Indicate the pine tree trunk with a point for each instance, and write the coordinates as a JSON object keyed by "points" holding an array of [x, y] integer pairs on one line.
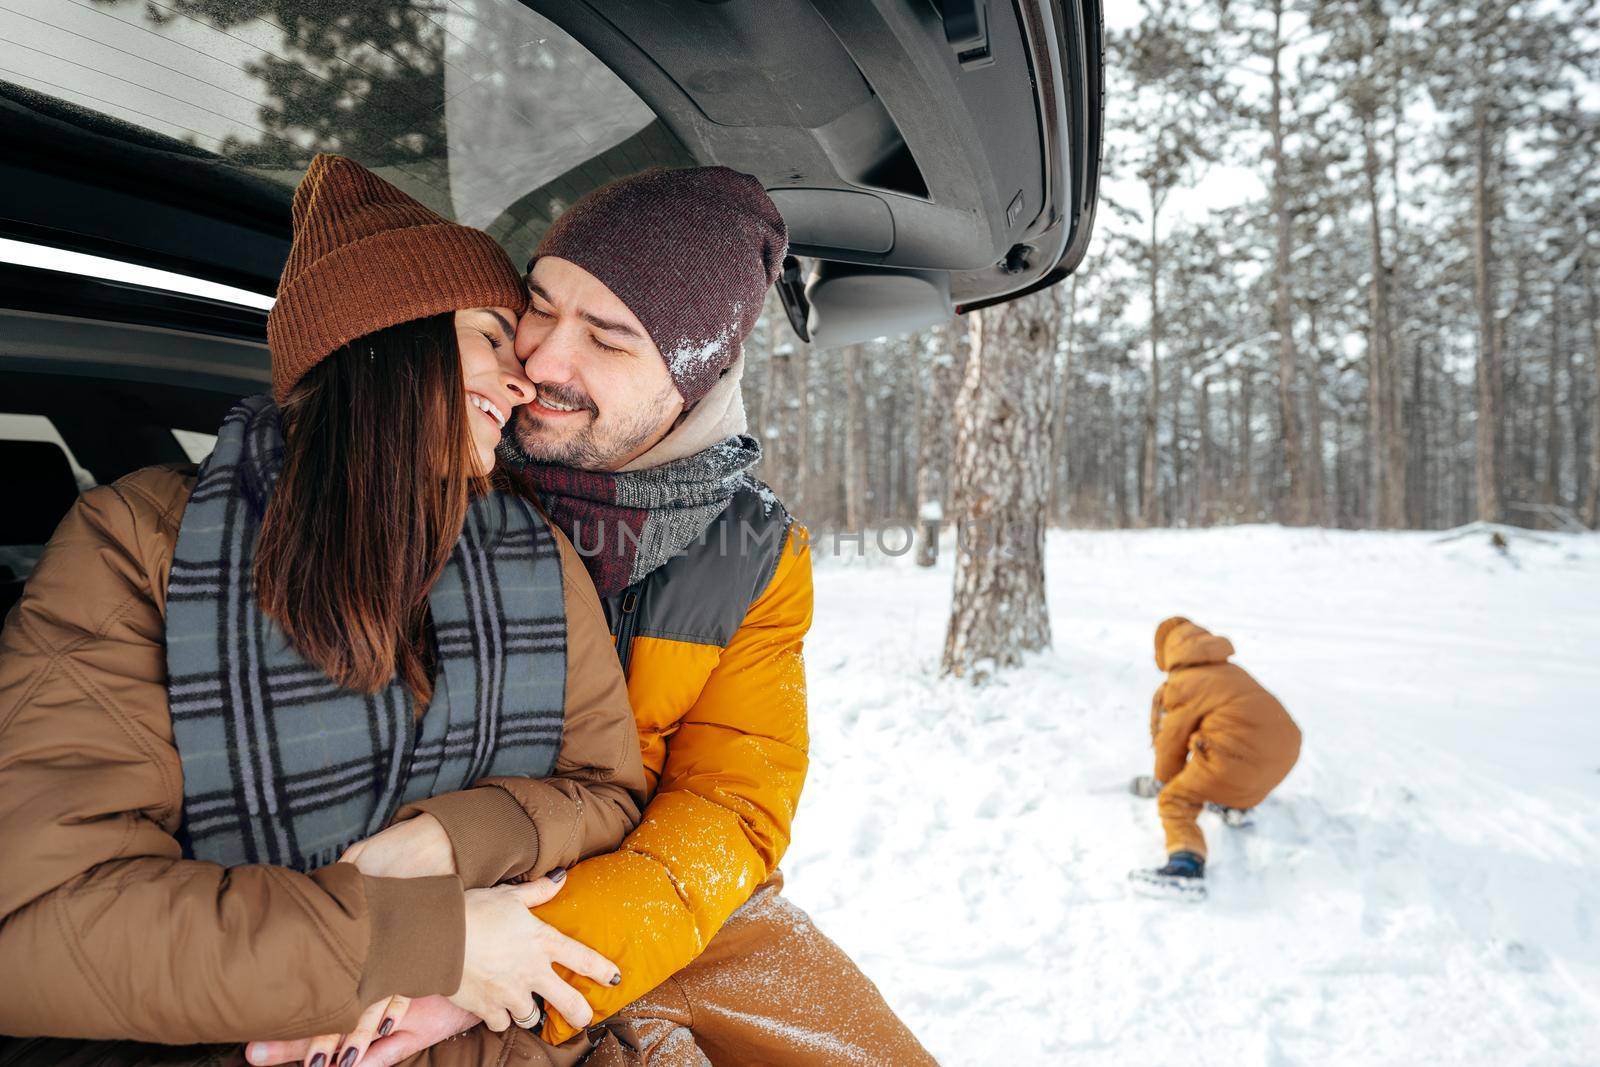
{"points": [[1120, 466], [800, 482], [1150, 466], [1462, 504], [831, 475], [855, 442], [1592, 505], [1341, 488], [998, 611], [1576, 424], [1245, 480], [1060, 458], [1412, 421], [1551, 489], [1316, 428], [1297, 512], [1227, 468], [885, 495], [776, 427], [935, 400], [1205, 483], [1388, 491], [1489, 383], [1176, 499], [1419, 508]]}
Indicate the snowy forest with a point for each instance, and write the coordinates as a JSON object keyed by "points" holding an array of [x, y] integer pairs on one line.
{"points": [[1346, 272], [1327, 384]]}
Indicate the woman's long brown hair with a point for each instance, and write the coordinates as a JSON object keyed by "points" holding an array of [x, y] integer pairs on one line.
{"points": [[377, 475]]}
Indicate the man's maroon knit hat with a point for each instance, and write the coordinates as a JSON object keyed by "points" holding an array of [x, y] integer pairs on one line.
{"points": [[691, 252]]}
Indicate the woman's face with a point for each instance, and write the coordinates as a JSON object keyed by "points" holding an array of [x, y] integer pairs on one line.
{"points": [[495, 383]]}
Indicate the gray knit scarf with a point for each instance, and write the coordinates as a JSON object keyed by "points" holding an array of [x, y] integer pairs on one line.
{"points": [[280, 765], [625, 524]]}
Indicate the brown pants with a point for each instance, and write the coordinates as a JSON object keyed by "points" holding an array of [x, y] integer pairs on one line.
{"points": [[769, 990], [1217, 777]]}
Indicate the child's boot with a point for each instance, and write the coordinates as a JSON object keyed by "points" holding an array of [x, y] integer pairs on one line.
{"points": [[1183, 878]]}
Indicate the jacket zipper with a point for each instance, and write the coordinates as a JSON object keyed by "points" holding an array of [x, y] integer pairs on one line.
{"points": [[627, 625]]}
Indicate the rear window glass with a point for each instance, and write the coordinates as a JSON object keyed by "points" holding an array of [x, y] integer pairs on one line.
{"points": [[486, 111]]}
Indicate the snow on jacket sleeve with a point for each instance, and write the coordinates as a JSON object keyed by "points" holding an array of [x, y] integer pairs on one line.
{"points": [[106, 931], [730, 780]]}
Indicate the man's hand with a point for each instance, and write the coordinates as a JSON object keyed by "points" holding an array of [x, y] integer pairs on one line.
{"points": [[335, 1050], [426, 1022], [416, 848], [430, 1021]]}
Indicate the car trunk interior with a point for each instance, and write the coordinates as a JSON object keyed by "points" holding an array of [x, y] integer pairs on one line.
{"points": [[931, 139], [928, 157]]}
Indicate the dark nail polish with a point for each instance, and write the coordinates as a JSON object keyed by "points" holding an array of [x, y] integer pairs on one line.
{"points": [[388, 1024], [558, 875], [349, 1057], [318, 1060], [616, 979]]}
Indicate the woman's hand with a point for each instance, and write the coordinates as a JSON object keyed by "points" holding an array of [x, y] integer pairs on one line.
{"points": [[416, 848], [510, 954], [334, 1050]]}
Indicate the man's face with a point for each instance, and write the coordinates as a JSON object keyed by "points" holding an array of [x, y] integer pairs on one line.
{"points": [[603, 394]]}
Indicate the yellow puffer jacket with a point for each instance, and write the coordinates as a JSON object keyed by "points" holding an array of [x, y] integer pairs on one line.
{"points": [[712, 644]]}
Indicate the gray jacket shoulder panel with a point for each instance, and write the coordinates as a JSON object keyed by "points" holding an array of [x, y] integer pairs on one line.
{"points": [[702, 594]]}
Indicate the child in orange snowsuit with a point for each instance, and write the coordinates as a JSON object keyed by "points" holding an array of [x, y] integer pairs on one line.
{"points": [[1219, 737]]}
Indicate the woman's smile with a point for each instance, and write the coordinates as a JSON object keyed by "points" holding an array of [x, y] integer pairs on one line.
{"points": [[489, 408]]}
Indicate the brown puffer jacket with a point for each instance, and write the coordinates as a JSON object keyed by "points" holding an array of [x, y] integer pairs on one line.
{"points": [[107, 932], [1209, 703]]}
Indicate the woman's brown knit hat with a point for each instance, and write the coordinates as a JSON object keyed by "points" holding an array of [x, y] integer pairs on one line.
{"points": [[367, 256]]}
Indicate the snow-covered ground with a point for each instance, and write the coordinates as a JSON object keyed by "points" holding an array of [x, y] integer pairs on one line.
{"points": [[1425, 887]]}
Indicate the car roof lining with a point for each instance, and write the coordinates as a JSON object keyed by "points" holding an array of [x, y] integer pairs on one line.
{"points": [[95, 183]]}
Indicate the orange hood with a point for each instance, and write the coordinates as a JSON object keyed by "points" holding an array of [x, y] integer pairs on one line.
{"points": [[1181, 643]]}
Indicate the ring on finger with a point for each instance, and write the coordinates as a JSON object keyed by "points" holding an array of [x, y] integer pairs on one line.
{"points": [[531, 1021]]}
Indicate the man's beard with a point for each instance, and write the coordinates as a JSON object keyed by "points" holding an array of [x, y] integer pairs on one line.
{"points": [[589, 449]]}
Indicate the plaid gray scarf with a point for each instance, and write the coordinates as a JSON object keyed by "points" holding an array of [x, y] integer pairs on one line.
{"points": [[280, 765], [625, 524]]}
